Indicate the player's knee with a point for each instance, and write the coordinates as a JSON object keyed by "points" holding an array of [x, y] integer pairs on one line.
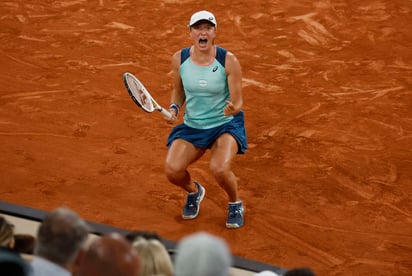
{"points": [[172, 170], [219, 169], [169, 171]]}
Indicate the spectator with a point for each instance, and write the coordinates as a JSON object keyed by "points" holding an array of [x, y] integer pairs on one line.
{"points": [[202, 254], [11, 263], [21, 243], [154, 258], [132, 236], [299, 271], [266, 273], [6, 233], [60, 240], [110, 255]]}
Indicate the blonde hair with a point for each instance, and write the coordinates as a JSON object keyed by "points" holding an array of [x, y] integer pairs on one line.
{"points": [[6, 233], [154, 258]]}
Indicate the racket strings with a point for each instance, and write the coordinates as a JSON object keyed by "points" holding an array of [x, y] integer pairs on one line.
{"points": [[140, 94]]}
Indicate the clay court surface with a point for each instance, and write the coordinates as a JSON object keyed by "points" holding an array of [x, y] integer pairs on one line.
{"points": [[327, 180]]}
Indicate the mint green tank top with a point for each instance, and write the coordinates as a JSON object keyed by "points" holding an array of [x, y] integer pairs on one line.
{"points": [[206, 89]]}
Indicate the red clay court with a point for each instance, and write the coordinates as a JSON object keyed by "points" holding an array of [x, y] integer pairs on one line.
{"points": [[328, 103]]}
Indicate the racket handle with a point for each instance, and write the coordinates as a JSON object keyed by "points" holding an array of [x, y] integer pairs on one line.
{"points": [[165, 112]]}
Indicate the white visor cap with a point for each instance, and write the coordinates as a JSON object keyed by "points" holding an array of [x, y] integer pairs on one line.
{"points": [[202, 15]]}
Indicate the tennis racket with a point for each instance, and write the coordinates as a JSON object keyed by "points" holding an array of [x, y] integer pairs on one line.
{"points": [[141, 96]]}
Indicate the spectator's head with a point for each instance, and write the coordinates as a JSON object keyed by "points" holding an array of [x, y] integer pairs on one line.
{"points": [[110, 255], [202, 254], [136, 234], [61, 236], [6, 233], [154, 258], [266, 273], [299, 271]]}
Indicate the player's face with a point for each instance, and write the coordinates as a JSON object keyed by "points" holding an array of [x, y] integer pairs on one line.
{"points": [[203, 34]]}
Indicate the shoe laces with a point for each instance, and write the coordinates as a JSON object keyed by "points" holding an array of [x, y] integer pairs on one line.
{"points": [[235, 210]]}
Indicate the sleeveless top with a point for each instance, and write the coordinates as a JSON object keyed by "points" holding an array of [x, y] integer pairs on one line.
{"points": [[206, 90]]}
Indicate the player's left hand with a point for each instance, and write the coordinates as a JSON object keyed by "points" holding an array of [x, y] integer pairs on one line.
{"points": [[229, 109]]}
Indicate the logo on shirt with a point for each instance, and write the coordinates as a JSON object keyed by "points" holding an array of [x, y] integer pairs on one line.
{"points": [[202, 83], [215, 69]]}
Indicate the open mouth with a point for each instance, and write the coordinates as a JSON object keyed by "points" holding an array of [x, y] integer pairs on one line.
{"points": [[203, 41]]}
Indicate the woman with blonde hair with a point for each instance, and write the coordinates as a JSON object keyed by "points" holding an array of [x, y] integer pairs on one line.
{"points": [[154, 258], [11, 262], [6, 233]]}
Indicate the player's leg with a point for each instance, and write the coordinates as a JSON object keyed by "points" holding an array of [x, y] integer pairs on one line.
{"points": [[223, 152], [179, 156]]}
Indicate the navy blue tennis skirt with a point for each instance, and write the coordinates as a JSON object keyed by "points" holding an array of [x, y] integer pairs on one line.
{"points": [[204, 138]]}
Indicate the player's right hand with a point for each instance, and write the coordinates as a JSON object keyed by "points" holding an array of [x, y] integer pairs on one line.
{"points": [[173, 119]]}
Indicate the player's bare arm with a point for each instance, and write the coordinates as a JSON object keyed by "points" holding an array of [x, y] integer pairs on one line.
{"points": [[178, 95], [234, 76]]}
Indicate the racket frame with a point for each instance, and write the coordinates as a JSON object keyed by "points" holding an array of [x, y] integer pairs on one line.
{"points": [[154, 104]]}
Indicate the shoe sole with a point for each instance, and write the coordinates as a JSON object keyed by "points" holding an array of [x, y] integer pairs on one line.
{"points": [[233, 226], [198, 208]]}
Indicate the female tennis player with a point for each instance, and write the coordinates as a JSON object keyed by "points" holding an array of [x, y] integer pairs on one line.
{"points": [[208, 81]]}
